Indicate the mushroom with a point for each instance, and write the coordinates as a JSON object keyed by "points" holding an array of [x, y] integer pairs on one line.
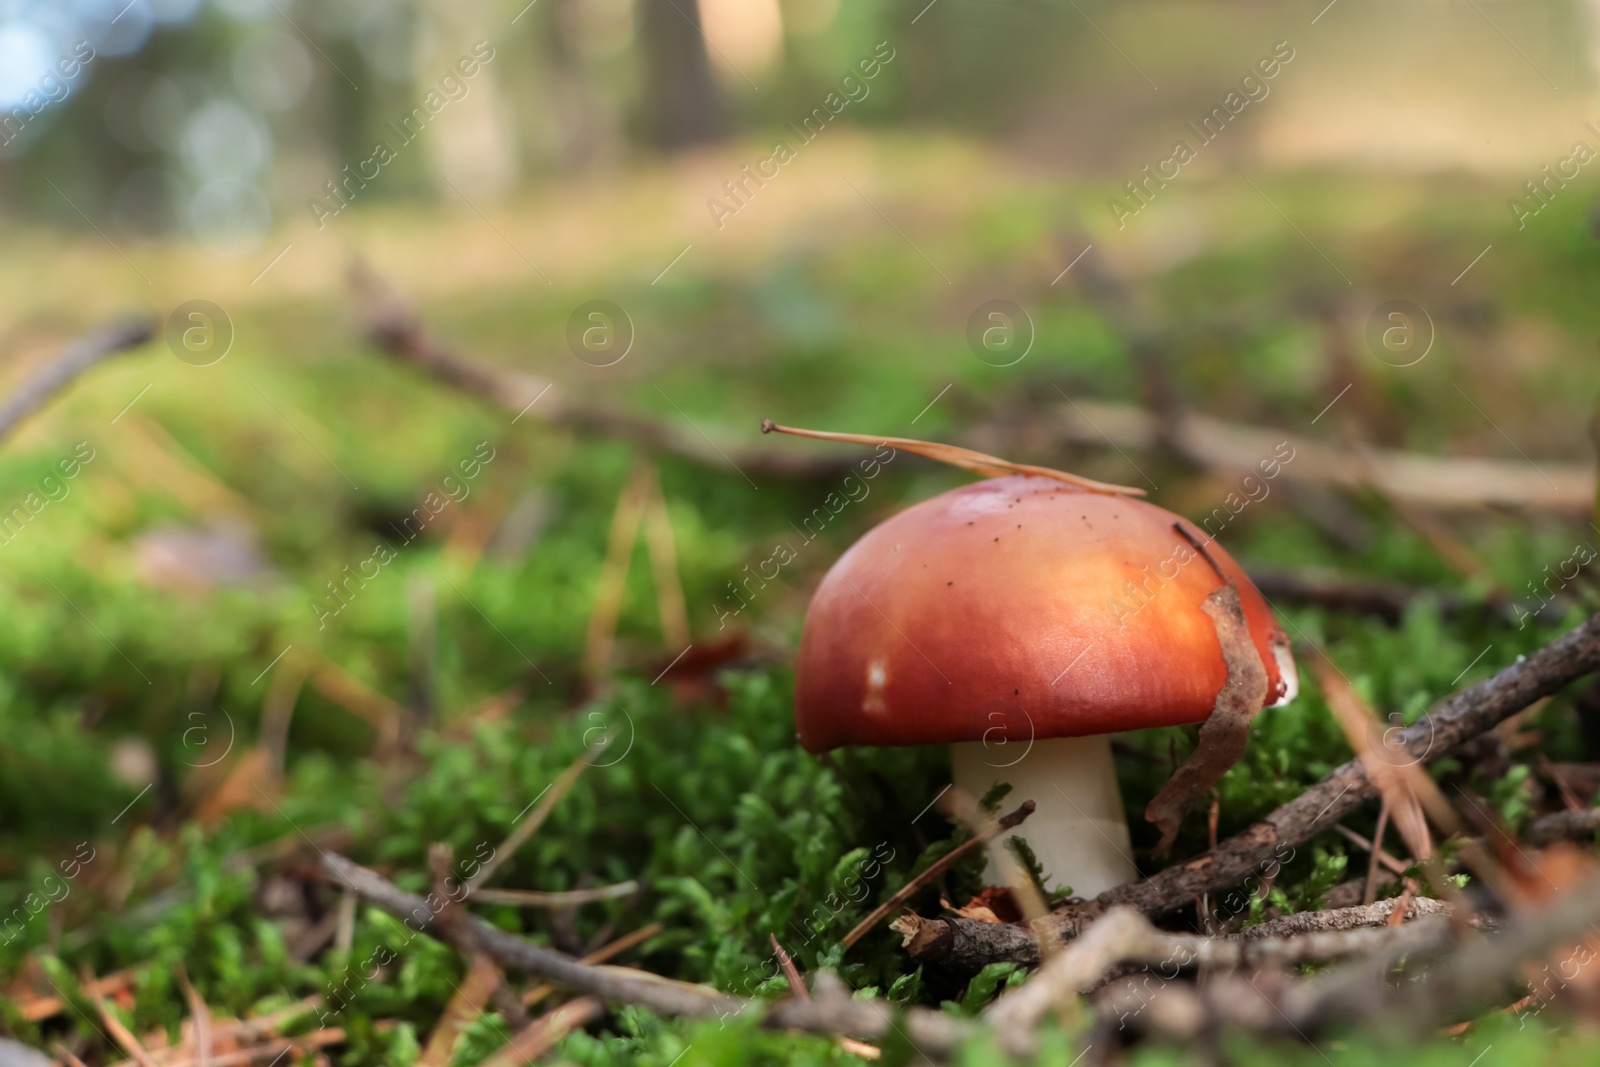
{"points": [[1022, 620]]}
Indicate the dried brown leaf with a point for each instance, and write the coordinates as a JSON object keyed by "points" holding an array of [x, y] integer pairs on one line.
{"points": [[1225, 733]]}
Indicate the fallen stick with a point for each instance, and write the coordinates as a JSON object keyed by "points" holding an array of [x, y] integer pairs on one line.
{"points": [[1458, 718], [530, 824], [41, 1008], [124, 1038], [1267, 845], [394, 329], [545, 1032], [1477, 977], [938, 867], [1436, 481], [72, 361], [564, 898], [797, 987], [599, 955], [831, 1012], [270, 1052], [1377, 856], [516, 953], [1389, 601], [966, 945], [1565, 826], [1462, 977]]}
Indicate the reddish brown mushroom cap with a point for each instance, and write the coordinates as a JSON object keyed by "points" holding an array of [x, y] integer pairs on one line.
{"points": [[1019, 607]]}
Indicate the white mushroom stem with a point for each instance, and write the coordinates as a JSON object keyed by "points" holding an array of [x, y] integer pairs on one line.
{"points": [[1078, 832]]}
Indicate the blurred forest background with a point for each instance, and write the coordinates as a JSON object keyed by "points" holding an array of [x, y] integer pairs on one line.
{"points": [[360, 198]]}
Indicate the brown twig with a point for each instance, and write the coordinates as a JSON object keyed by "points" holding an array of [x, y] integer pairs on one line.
{"points": [[123, 1036], [1565, 826], [484, 981], [1476, 976], [1025, 889], [1435, 481], [1125, 936], [797, 987], [936, 868], [67, 1056], [393, 327], [41, 1008], [565, 898], [1377, 856], [271, 1051], [825, 1014], [470, 999], [535, 818], [545, 1032], [599, 955], [202, 1019], [1456, 719], [514, 953], [72, 361], [791, 973], [1268, 844], [1378, 913], [965, 945]]}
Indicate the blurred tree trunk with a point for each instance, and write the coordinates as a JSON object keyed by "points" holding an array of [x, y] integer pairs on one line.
{"points": [[588, 130], [683, 108], [474, 152]]}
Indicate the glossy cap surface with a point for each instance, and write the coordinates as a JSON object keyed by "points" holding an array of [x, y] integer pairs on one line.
{"points": [[1020, 607]]}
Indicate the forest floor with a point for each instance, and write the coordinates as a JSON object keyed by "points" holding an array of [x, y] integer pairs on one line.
{"points": [[199, 703]]}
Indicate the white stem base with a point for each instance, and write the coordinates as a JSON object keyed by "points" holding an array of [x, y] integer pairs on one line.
{"points": [[1079, 831]]}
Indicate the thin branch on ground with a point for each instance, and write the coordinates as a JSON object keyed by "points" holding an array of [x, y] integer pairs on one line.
{"points": [[394, 328], [545, 1032], [1434, 481], [1458, 718], [535, 818], [936, 868], [831, 1013], [563, 898], [599, 955], [73, 360], [966, 945], [1565, 826]]}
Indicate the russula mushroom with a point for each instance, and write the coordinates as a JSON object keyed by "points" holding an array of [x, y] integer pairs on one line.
{"points": [[1022, 620]]}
